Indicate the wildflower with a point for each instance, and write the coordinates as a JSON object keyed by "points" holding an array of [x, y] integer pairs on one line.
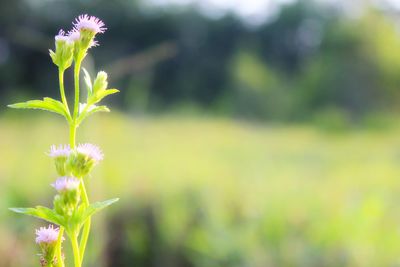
{"points": [[93, 152], [74, 35], [63, 55], [59, 151], [90, 23], [61, 37], [65, 184], [84, 158], [47, 239], [46, 236], [68, 195], [60, 154]]}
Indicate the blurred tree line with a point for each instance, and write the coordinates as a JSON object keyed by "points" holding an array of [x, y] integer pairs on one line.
{"points": [[309, 61]]}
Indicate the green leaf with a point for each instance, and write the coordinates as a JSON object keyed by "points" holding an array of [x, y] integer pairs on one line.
{"points": [[91, 110], [42, 213], [88, 82], [96, 207], [98, 96], [48, 104]]}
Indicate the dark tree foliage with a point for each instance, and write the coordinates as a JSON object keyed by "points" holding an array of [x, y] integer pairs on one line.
{"points": [[313, 58]]}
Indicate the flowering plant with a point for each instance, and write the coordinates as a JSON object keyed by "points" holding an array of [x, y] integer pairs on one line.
{"points": [[71, 210]]}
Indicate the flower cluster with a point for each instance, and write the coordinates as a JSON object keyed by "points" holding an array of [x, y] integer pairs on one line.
{"points": [[76, 162], [77, 41]]}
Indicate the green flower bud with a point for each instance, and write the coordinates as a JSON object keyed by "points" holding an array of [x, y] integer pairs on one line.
{"points": [[63, 56], [83, 159], [60, 155], [100, 83], [68, 195]]}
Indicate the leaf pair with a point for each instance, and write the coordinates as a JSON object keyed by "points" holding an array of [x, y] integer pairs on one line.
{"points": [[53, 217], [96, 92]]}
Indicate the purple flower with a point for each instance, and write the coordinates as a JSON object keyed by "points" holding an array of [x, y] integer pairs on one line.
{"points": [[47, 235], [64, 184], [62, 37], [74, 35], [90, 151], [90, 23], [59, 151]]}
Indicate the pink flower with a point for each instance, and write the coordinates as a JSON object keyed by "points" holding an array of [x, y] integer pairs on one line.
{"points": [[90, 23], [61, 36], [47, 235], [64, 184], [59, 151], [74, 35], [90, 151]]}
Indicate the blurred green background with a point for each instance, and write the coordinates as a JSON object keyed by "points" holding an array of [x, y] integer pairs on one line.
{"points": [[248, 133]]}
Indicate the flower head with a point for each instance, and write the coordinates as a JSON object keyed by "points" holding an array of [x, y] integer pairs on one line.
{"points": [[91, 151], [84, 158], [59, 151], [74, 35], [47, 236], [91, 23], [64, 184], [62, 37], [60, 155]]}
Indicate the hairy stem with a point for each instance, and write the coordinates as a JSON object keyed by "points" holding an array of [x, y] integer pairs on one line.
{"points": [[86, 227]]}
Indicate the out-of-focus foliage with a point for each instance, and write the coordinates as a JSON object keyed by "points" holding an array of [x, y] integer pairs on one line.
{"points": [[310, 59], [212, 192]]}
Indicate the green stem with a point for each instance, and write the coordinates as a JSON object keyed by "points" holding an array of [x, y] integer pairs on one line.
{"points": [[72, 126], [72, 134], [60, 261], [86, 227], [62, 91], [75, 250], [77, 69]]}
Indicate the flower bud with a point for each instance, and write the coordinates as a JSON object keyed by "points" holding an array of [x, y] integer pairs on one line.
{"points": [[68, 195], [47, 239], [63, 55], [60, 155], [100, 83], [84, 158]]}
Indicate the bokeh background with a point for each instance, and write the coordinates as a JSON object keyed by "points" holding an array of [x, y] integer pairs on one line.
{"points": [[248, 133]]}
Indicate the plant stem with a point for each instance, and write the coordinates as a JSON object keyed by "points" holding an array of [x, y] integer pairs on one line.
{"points": [[72, 126], [60, 261], [75, 250], [77, 69], [86, 227], [62, 91], [72, 134]]}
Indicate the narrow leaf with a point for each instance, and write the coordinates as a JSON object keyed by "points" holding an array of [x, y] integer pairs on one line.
{"points": [[88, 82], [96, 207], [42, 213]]}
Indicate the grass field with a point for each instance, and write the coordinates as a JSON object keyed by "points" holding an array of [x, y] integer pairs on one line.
{"points": [[224, 193]]}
